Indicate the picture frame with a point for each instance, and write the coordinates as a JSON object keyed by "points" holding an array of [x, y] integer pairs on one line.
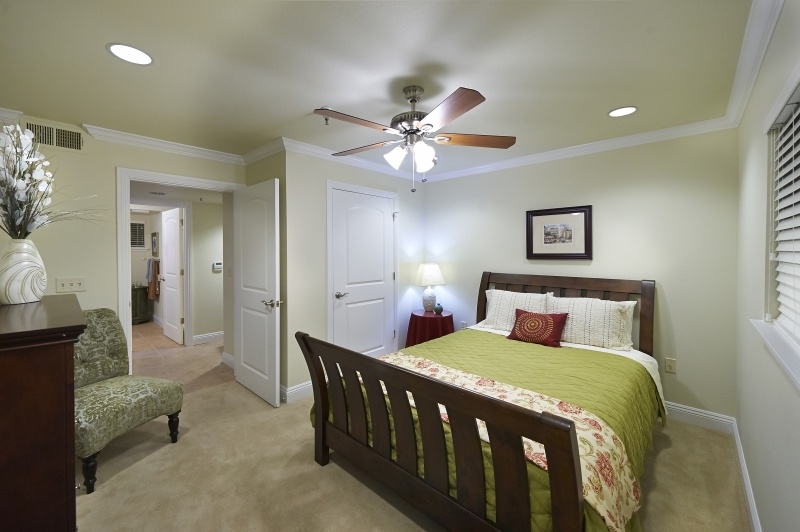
{"points": [[154, 243], [562, 233]]}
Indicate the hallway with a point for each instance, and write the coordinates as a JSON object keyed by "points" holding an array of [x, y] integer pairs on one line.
{"points": [[196, 367]]}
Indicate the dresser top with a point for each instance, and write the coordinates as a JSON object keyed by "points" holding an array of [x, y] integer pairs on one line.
{"points": [[57, 315]]}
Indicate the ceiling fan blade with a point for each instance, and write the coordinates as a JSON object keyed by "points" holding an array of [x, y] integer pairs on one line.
{"points": [[478, 141], [455, 105], [368, 147], [355, 120]]}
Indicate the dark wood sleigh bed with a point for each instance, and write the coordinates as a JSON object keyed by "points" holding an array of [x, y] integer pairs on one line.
{"points": [[353, 417]]}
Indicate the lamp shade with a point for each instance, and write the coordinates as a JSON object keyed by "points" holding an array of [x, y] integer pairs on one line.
{"points": [[429, 274]]}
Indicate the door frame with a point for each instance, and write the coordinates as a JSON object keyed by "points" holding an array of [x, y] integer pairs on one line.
{"points": [[347, 187], [124, 178]]}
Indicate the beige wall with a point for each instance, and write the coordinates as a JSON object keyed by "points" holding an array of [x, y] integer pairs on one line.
{"points": [[89, 249], [664, 211], [769, 404], [207, 285]]}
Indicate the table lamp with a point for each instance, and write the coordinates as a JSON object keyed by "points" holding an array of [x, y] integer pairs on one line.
{"points": [[429, 275]]}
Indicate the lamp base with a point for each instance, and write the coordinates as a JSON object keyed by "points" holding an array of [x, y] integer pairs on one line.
{"points": [[428, 299]]}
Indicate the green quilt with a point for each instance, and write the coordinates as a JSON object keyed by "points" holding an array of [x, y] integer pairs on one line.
{"points": [[618, 390]]}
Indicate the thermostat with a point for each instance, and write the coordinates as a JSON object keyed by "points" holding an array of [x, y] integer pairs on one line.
{"points": [[217, 266]]}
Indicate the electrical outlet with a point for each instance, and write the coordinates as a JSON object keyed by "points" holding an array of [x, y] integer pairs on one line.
{"points": [[70, 284], [463, 324], [671, 365]]}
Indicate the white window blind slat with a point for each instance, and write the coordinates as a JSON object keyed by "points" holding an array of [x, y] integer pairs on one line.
{"points": [[786, 232]]}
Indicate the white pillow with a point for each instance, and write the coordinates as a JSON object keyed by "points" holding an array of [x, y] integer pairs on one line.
{"points": [[595, 322], [501, 307]]}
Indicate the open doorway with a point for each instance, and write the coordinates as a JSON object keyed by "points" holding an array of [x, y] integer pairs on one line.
{"points": [[158, 264], [140, 188]]}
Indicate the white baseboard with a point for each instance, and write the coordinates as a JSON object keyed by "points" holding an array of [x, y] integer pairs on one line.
{"points": [[726, 424], [296, 392], [209, 337], [158, 321], [227, 359]]}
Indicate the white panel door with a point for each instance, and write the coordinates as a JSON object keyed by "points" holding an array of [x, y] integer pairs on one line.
{"points": [[362, 262], [256, 297], [171, 265]]}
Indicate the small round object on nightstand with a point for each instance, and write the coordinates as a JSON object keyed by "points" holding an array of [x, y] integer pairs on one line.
{"points": [[438, 308]]}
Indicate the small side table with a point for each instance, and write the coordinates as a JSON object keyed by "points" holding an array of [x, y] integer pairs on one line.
{"points": [[424, 326]]}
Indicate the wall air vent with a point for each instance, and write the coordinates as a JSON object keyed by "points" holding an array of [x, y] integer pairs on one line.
{"points": [[50, 136], [42, 134], [69, 139]]}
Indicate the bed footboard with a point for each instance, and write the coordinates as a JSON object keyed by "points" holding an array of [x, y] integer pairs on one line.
{"points": [[351, 416]]}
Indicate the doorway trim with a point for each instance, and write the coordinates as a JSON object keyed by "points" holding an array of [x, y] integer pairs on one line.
{"points": [[124, 178]]}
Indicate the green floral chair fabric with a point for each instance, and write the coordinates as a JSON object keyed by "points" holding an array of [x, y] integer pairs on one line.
{"points": [[108, 401]]}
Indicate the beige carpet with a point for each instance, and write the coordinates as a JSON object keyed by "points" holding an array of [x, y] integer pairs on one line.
{"points": [[242, 465]]}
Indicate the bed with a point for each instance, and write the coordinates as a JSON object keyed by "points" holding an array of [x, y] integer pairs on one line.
{"points": [[474, 471]]}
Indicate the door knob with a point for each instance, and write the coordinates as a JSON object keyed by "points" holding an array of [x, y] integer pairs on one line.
{"points": [[340, 295], [272, 303]]}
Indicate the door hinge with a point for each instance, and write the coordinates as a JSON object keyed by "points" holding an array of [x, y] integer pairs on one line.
{"points": [[181, 271], [181, 321], [394, 278], [394, 334], [395, 215], [181, 222]]}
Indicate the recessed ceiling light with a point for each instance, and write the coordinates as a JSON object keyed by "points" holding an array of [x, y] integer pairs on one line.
{"points": [[130, 54], [622, 111]]}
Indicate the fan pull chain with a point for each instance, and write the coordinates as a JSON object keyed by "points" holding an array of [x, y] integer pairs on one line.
{"points": [[413, 176]]}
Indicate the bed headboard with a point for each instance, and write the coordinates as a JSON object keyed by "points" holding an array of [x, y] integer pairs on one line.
{"points": [[609, 289]]}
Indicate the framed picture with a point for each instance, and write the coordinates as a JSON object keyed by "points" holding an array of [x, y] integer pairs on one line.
{"points": [[154, 243], [564, 233]]}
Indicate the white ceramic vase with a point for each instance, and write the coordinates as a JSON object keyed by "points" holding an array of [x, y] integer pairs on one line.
{"points": [[22, 275]]}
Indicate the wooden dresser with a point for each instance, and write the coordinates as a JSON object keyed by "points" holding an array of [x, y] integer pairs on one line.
{"points": [[37, 457]]}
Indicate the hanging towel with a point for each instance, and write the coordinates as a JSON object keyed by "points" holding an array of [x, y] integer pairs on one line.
{"points": [[148, 275], [152, 283]]}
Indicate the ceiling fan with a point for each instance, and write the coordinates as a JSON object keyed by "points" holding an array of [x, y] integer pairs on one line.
{"points": [[415, 127]]}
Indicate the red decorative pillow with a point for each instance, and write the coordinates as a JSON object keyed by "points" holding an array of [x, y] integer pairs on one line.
{"points": [[544, 329]]}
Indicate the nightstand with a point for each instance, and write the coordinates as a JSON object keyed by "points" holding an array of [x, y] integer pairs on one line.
{"points": [[424, 326]]}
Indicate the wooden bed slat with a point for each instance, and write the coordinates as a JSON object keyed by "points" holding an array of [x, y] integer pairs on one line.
{"points": [[432, 433], [512, 496], [597, 294], [379, 414], [616, 296], [355, 405], [571, 292], [470, 477], [336, 392], [405, 442]]}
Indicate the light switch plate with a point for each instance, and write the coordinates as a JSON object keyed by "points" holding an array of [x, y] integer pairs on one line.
{"points": [[70, 284]]}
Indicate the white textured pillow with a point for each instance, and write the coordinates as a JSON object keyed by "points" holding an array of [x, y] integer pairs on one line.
{"points": [[595, 322], [502, 305]]}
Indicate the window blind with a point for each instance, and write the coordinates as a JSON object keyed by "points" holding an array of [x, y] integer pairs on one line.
{"points": [[137, 235], [786, 206]]}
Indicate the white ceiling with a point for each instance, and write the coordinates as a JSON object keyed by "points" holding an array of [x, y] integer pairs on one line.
{"points": [[235, 76]]}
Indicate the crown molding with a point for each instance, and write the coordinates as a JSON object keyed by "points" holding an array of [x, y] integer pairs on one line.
{"points": [[119, 137], [9, 115], [761, 24]]}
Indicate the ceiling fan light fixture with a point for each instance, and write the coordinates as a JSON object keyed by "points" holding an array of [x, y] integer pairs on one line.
{"points": [[424, 157], [396, 156], [622, 111]]}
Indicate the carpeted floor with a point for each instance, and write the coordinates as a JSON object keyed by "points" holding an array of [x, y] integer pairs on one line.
{"points": [[241, 465]]}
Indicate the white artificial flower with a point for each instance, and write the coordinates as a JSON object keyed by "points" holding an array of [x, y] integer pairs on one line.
{"points": [[38, 174]]}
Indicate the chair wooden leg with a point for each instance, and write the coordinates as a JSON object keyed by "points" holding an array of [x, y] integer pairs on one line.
{"points": [[89, 469], [173, 425]]}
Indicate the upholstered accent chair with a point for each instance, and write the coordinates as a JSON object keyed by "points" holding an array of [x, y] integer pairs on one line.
{"points": [[108, 401]]}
